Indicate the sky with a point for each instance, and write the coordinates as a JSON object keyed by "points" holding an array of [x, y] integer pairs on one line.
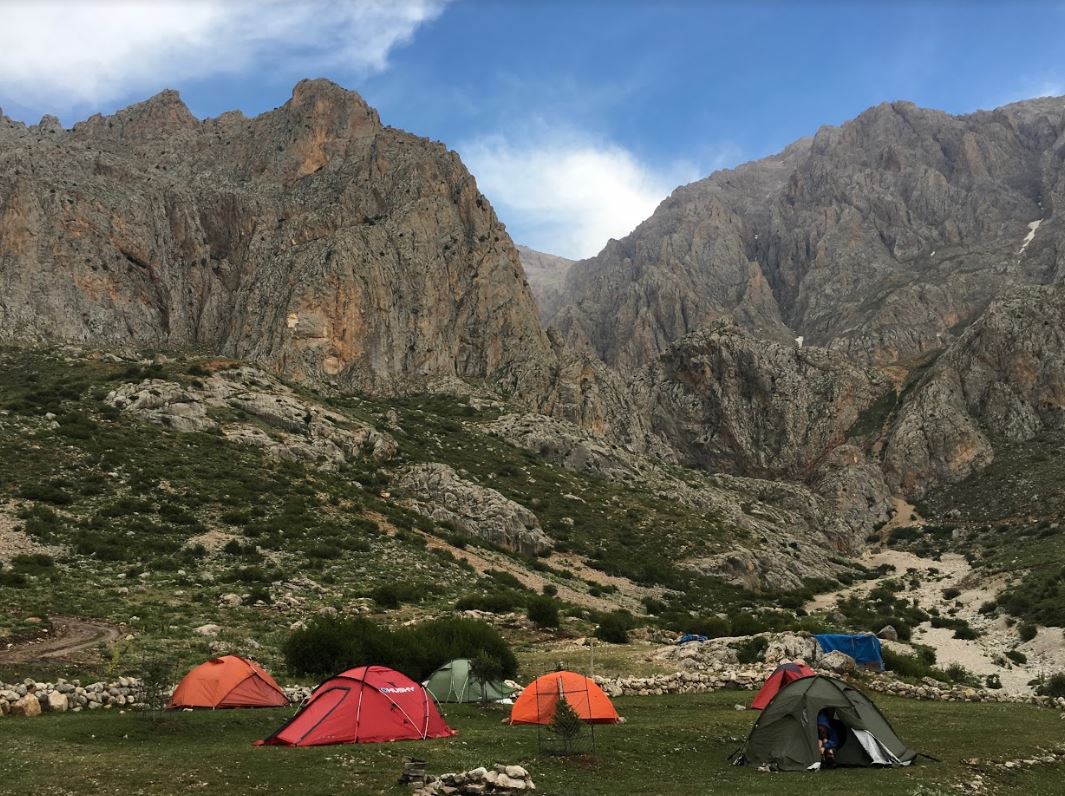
{"points": [[577, 117]]}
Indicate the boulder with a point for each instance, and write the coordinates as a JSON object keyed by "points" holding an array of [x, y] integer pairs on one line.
{"points": [[888, 633], [27, 705], [837, 662], [207, 630], [58, 702]]}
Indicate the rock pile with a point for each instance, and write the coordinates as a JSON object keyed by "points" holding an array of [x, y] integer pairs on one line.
{"points": [[31, 698], [498, 779]]}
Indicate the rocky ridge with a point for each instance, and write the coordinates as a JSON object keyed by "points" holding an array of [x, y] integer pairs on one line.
{"points": [[311, 239]]}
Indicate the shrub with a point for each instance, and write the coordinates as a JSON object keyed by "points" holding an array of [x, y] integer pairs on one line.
{"points": [[1017, 656], [993, 681], [550, 590], [959, 674], [915, 666], [614, 627], [543, 612], [654, 607], [46, 493], [1053, 686], [751, 650], [331, 644], [1027, 631], [497, 602], [747, 625], [951, 593]]}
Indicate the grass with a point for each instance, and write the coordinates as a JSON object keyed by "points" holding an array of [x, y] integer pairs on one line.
{"points": [[668, 745]]}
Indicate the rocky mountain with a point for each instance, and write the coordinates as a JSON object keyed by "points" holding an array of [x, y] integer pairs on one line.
{"points": [[311, 239], [546, 274], [871, 314], [882, 294], [882, 239]]}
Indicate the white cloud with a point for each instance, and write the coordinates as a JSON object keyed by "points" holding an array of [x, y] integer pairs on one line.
{"points": [[568, 195], [63, 55]]}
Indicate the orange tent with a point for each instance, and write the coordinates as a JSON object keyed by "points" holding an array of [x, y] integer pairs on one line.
{"points": [[228, 682], [537, 702]]}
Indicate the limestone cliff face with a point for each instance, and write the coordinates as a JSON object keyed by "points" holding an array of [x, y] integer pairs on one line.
{"points": [[875, 245], [762, 409], [311, 239], [546, 274], [1003, 380], [883, 239]]}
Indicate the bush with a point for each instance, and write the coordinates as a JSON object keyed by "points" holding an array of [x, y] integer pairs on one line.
{"points": [[959, 674], [497, 602], [1017, 656], [614, 627], [1027, 631], [543, 612], [751, 650], [550, 590], [747, 625], [951, 593], [993, 681], [1053, 686], [329, 645]]}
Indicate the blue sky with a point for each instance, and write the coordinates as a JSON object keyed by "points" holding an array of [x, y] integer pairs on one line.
{"points": [[576, 117]]}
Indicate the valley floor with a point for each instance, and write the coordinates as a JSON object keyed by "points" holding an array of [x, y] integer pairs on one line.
{"points": [[667, 745]]}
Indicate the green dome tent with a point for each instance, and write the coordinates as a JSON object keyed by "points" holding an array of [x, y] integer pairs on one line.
{"points": [[454, 682], [785, 735]]}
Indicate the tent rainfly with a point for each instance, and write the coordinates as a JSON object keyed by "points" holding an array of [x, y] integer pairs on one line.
{"points": [[538, 701], [368, 704], [228, 682], [785, 735], [781, 676], [454, 682]]}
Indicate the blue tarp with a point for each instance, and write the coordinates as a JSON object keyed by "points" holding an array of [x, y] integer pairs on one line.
{"points": [[691, 637], [863, 647]]}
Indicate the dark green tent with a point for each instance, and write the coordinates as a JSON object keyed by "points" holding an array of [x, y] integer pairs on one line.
{"points": [[454, 682], [785, 735]]}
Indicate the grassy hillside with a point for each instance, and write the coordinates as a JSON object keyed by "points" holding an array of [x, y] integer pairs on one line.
{"points": [[112, 518]]}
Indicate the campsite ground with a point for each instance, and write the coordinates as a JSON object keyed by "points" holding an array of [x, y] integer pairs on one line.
{"points": [[668, 745]]}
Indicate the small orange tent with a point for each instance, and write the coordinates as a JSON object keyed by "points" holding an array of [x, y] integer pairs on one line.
{"points": [[537, 702], [228, 682]]}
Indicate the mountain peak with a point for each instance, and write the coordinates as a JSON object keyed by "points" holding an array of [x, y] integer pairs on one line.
{"points": [[160, 116]]}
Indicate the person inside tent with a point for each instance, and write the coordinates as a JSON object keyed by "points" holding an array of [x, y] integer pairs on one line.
{"points": [[827, 738]]}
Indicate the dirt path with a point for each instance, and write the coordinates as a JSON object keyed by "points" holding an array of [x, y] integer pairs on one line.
{"points": [[69, 636]]}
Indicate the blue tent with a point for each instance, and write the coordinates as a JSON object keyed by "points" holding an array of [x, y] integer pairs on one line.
{"points": [[863, 647]]}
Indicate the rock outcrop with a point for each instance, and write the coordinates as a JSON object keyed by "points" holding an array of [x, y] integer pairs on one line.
{"points": [[252, 408], [437, 491], [1003, 380], [311, 239]]}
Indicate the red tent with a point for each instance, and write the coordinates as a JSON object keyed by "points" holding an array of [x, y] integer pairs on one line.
{"points": [[368, 704], [781, 676], [228, 682]]}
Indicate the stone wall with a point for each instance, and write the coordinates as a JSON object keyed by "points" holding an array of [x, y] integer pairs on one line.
{"points": [[63, 695]]}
